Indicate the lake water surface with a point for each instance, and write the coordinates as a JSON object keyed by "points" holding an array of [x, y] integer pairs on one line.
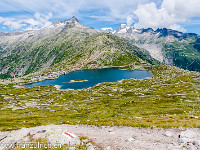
{"points": [[94, 76]]}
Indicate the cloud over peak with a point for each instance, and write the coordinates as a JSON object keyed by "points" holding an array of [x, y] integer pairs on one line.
{"points": [[39, 21], [140, 13], [169, 15]]}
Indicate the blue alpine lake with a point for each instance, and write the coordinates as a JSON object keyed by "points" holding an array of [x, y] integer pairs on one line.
{"points": [[93, 77]]}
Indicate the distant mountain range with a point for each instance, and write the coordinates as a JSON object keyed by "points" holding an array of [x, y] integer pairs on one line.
{"points": [[65, 46], [168, 46]]}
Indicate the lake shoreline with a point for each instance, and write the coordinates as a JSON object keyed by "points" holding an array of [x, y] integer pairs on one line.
{"points": [[91, 77], [22, 81]]}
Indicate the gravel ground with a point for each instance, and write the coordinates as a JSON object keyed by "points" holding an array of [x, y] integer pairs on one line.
{"points": [[116, 137]]}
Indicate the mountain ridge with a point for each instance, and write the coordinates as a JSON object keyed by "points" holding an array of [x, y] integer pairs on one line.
{"points": [[61, 42], [64, 45], [168, 46]]}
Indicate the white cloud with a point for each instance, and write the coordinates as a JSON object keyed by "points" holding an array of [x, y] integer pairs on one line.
{"points": [[168, 15], [40, 21], [101, 11], [148, 13], [129, 20], [108, 28], [11, 23], [177, 27]]}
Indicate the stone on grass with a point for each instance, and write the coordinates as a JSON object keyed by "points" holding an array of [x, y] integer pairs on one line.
{"points": [[195, 117], [52, 110], [71, 148]]}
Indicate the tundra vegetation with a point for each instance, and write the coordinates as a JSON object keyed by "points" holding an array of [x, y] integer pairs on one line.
{"points": [[170, 98]]}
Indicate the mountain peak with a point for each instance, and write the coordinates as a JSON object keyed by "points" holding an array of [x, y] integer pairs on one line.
{"points": [[123, 26], [74, 19], [73, 22], [57, 22]]}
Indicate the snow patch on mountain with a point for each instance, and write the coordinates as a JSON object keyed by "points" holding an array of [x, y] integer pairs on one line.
{"points": [[106, 30], [152, 40]]}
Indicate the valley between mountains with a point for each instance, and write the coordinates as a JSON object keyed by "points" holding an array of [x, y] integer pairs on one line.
{"points": [[170, 98], [65, 45]]}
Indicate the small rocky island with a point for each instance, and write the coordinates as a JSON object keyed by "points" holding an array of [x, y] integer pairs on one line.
{"points": [[73, 81]]}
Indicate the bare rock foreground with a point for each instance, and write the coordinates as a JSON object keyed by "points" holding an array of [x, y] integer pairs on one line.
{"points": [[110, 137]]}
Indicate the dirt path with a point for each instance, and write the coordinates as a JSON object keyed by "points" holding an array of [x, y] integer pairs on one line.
{"points": [[117, 137]]}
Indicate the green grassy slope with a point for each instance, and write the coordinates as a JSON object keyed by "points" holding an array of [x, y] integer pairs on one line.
{"points": [[103, 50], [185, 53], [168, 99], [168, 46], [71, 48]]}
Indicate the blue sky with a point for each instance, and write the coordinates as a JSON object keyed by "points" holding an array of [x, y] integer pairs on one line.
{"points": [[182, 15]]}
